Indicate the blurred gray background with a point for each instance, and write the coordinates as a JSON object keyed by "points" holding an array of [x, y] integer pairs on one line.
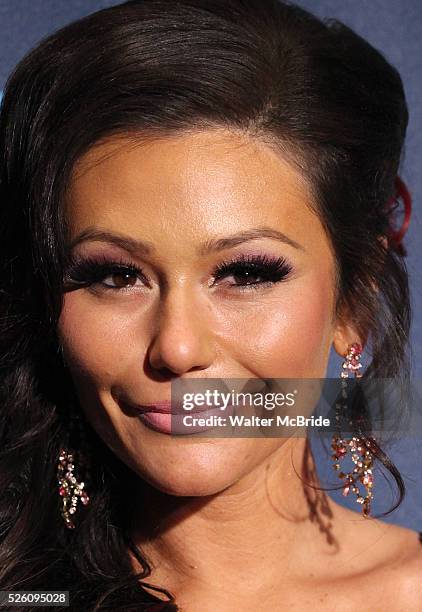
{"points": [[395, 28]]}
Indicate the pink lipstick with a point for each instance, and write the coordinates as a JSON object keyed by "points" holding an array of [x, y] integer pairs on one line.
{"points": [[169, 418]]}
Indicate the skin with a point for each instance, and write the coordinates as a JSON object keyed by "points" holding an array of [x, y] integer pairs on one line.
{"points": [[217, 506]]}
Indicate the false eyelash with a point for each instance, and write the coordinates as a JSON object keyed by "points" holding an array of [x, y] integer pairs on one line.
{"points": [[272, 269], [90, 270], [87, 271]]}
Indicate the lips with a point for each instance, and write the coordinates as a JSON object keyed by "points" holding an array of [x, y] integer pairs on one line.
{"points": [[174, 422], [169, 407]]}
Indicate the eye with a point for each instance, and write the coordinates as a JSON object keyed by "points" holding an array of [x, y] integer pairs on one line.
{"points": [[104, 274], [120, 278], [254, 271]]}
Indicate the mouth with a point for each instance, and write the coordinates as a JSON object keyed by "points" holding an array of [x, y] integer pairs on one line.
{"points": [[169, 418], [167, 423], [176, 407]]}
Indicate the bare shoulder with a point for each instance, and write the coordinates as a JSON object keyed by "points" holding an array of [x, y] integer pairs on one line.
{"points": [[401, 574], [384, 564]]}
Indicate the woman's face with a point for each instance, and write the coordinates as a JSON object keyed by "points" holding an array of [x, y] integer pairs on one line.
{"points": [[197, 201]]}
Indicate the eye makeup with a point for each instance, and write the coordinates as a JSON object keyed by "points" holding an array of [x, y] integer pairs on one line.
{"points": [[87, 271], [270, 269]]}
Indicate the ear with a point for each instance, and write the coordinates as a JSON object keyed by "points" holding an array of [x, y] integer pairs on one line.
{"points": [[345, 333]]}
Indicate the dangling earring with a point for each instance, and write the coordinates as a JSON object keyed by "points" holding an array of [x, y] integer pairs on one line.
{"points": [[70, 490], [362, 457]]}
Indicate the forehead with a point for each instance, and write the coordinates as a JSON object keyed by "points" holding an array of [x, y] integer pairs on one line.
{"points": [[212, 181]]}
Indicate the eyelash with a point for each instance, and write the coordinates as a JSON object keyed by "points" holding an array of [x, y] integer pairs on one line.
{"points": [[90, 271], [272, 269]]}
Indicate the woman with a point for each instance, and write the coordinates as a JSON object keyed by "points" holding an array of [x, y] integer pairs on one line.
{"points": [[195, 189]]}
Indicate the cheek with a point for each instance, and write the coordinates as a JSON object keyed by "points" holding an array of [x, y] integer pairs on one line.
{"points": [[290, 335], [97, 339]]}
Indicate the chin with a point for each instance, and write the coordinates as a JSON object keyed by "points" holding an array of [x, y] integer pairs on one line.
{"points": [[188, 480]]}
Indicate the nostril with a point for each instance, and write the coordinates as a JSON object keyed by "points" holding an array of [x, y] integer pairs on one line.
{"points": [[167, 372]]}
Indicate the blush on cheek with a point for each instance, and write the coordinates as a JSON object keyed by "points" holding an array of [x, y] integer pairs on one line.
{"points": [[311, 320], [290, 338], [95, 342]]}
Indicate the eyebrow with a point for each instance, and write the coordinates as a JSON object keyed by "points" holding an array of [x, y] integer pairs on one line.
{"points": [[140, 247]]}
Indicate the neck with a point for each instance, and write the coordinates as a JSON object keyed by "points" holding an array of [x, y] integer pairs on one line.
{"points": [[270, 522]]}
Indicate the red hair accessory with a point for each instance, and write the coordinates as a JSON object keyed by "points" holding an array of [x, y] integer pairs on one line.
{"points": [[395, 236]]}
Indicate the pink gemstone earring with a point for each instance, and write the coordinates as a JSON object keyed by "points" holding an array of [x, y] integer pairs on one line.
{"points": [[70, 490], [362, 457]]}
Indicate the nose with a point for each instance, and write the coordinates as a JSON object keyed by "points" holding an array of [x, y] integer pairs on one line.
{"points": [[183, 341]]}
